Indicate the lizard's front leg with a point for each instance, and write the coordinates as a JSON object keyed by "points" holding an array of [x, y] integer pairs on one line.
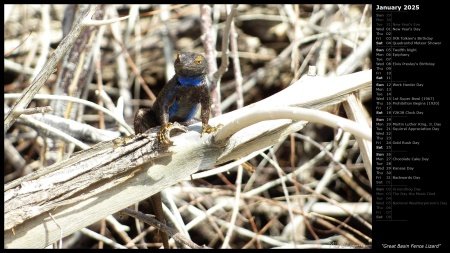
{"points": [[206, 110], [164, 134]]}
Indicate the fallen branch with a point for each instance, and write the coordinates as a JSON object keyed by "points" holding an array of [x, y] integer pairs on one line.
{"points": [[112, 175]]}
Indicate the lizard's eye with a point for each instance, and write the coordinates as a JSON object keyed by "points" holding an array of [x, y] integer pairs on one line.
{"points": [[198, 60]]}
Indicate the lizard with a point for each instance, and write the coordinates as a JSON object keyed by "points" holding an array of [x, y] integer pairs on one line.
{"points": [[178, 101]]}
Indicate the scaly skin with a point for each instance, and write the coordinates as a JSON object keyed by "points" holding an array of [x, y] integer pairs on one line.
{"points": [[177, 101]]}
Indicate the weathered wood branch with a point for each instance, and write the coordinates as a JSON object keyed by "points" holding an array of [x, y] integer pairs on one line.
{"points": [[112, 175]]}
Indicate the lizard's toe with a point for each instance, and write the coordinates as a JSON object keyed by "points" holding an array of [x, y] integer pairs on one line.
{"points": [[210, 129], [164, 134]]}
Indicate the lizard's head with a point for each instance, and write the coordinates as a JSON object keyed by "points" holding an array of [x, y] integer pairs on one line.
{"points": [[190, 64]]}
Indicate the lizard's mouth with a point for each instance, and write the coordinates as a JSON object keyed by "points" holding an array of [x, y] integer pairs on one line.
{"points": [[190, 72]]}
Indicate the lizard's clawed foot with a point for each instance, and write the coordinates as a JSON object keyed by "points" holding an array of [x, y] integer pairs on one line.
{"points": [[164, 133], [209, 129]]}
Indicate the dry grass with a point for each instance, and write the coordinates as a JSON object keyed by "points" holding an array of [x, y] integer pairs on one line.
{"points": [[127, 62]]}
